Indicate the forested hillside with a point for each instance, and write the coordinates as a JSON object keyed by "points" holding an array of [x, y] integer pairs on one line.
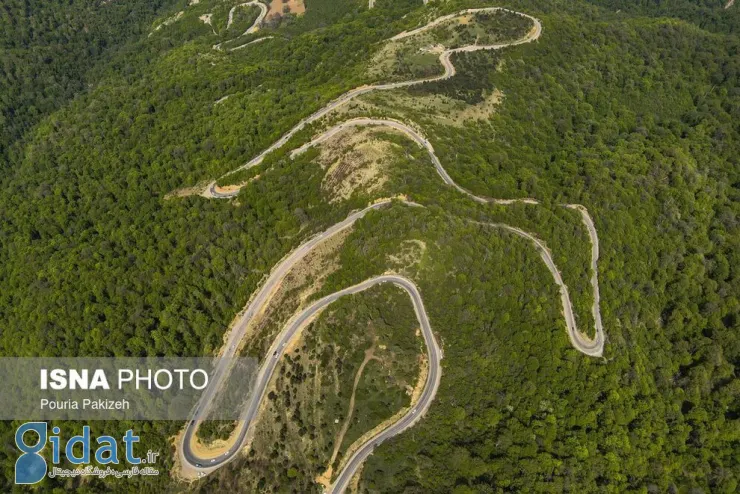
{"points": [[713, 15], [641, 124], [110, 124], [47, 48]]}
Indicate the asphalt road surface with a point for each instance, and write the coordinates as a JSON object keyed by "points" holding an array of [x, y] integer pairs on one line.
{"points": [[257, 22], [255, 305]]}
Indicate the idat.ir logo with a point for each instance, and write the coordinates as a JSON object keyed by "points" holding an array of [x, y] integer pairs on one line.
{"points": [[31, 438]]}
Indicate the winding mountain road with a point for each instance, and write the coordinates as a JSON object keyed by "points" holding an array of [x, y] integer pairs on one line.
{"points": [[257, 22], [593, 347], [212, 190], [252, 29], [290, 331], [581, 342], [238, 330]]}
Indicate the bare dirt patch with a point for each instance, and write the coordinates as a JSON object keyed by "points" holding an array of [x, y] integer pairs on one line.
{"points": [[281, 7], [208, 20], [465, 19], [230, 188], [186, 192]]}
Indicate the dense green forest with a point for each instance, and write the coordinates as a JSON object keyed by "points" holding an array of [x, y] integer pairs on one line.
{"points": [[47, 49], [713, 15], [641, 124], [635, 114]]}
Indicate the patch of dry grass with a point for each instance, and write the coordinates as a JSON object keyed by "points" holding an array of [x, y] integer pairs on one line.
{"points": [[354, 160]]}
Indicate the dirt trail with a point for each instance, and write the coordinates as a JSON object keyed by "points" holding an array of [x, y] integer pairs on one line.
{"points": [[325, 478], [279, 7], [444, 58], [252, 29], [340, 437]]}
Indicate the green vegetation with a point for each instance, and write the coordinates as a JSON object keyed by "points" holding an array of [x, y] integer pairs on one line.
{"points": [[417, 56], [712, 15], [633, 114], [389, 336], [308, 406], [481, 28], [213, 430], [244, 17], [47, 48], [615, 125], [96, 262]]}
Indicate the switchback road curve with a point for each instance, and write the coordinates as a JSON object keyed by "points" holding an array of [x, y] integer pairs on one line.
{"points": [[591, 347], [417, 137], [252, 29], [291, 330]]}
